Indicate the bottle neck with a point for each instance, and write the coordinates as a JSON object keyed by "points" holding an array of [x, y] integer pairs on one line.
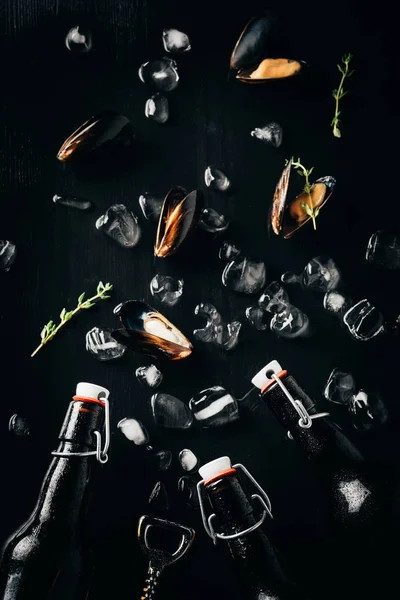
{"points": [[231, 505], [323, 442]]}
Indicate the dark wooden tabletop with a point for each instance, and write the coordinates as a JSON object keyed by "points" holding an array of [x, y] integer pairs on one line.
{"points": [[47, 92]]}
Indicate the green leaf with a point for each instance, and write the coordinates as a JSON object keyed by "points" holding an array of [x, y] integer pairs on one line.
{"points": [[62, 314], [299, 172], [43, 333], [89, 305], [307, 209], [100, 287], [80, 299], [337, 132], [310, 170], [68, 315], [50, 323], [316, 212], [340, 69], [105, 297], [350, 73]]}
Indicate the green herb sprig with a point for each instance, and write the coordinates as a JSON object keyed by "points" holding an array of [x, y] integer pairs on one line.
{"points": [[309, 209], [51, 329], [340, 92]]}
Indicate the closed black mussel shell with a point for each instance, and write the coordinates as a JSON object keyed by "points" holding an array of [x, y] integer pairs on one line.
{"points": [[98, 133], [147, 331], [251, 44]]}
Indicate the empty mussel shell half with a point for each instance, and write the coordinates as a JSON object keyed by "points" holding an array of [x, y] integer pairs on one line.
{"points": [[147, 331], [269, 69], [250, 46], [288, 217], [99, 132], [179, 214]]}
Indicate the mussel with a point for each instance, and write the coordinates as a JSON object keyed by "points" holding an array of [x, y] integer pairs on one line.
{"points": [[179, 214], [269, 69], [288, 217], [250, 46], [147, 331], [97, 133]]}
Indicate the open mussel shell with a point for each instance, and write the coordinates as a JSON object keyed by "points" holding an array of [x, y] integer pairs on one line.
{"points": [[251, 44], [270, 69], [179, 214], [288, 217], [97, 133], [147, 331]]}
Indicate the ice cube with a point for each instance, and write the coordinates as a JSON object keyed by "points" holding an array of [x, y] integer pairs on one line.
{"points": [[79, 39], [8, 253], [149, 376], [244, 275], [19, 425], [188, 460], [134, 431], [170, 412], [72, 202], [214, 407], [216, 179], [384, 250], [175, 41], [257, 318], [320, 274], [337, 303], [187, 487], [101, 344], [290, 323], [151, 206], [364, 321], [159, 497], [368, 411], [228, 251], [157, 108], [274, 298], [270, 134], [216, 331], [161, 74], [212, 221], [160, 460], [340, 387], [166, 289], [121, 225]]}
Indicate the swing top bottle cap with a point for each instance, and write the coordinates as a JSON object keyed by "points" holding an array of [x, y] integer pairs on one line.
{"points": [[215, 467], [262, 379], [91, 390]]}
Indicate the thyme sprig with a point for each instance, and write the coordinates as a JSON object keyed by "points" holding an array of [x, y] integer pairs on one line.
{"points": [[51, 329], [309, 209], [340, 92]]}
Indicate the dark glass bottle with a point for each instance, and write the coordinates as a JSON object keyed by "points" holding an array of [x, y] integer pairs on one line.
{"points": [[256, 563], [34, 555], [359, 491]]}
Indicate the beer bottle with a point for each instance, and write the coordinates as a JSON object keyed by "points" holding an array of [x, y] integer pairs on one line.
{"points": [[240, 527], [359, 491], [34, 555]]}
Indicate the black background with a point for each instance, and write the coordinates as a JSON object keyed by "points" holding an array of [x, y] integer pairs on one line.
{"points": [[47, 92]]}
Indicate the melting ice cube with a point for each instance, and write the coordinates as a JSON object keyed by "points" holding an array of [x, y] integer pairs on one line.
{"points": [[188, 460], [159, 497], [160, 460], [121, 225], [340, 387], [134, 431], [101, 344], [175, 41], [368, 411], [290, 323], [8, 253], [72, 202], [19, 425], [364, 321], [79, 39], [384, 250], [212, 221], [216, 179], [151, 206], [166, 289], [270, 134], [214, 407], [170, 412], [274, 298], [187, 487], [157, 109], [216, 331], [149, 376], [337, 303], [161, 74], [257, 318], [320, 274], [228, 251], [244, 275]]}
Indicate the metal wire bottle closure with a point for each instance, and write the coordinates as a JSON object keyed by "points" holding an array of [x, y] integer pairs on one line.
{"points": [[305, 420], [100, 453], [207, 521]]}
